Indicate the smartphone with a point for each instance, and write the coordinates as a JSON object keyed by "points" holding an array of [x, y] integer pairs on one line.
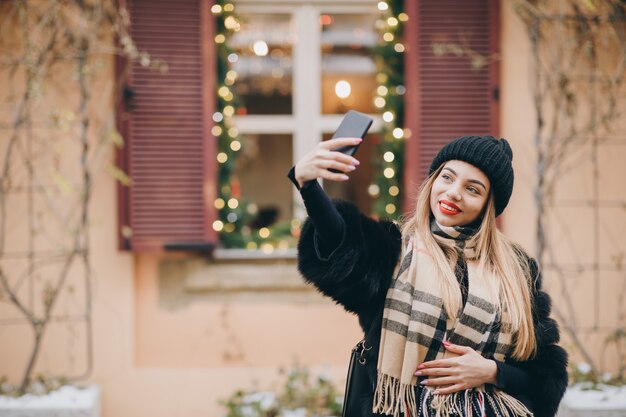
{"points": [[353, 125]]}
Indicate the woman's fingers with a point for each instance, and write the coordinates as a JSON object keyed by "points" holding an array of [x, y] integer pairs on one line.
{"points": [[445, 380], [325, 154], [332, 144], [451, 389], [328, 164], [436, 371], [327, 175]]}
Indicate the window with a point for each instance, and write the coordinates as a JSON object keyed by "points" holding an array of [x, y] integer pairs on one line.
{"points": [[300, 66]]}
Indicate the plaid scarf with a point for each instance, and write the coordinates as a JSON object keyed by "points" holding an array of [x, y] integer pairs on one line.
{"points": [[415, 325]]}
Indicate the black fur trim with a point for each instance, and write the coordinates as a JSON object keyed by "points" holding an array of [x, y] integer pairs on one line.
{"points": [[358, 272]]}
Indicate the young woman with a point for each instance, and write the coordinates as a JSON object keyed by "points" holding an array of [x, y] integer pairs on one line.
{"points": [[455, 321]]}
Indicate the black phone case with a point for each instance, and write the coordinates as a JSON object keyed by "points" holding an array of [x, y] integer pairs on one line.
{"points": [[353, 125]]}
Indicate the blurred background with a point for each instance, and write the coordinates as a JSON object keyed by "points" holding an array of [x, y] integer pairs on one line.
{"points": [[148, 230]]}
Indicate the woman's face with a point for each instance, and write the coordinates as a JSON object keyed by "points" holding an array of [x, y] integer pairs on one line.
{"points": [[459, 194]]}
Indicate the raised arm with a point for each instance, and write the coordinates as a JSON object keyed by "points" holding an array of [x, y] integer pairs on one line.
{"points": [[345, 254]]}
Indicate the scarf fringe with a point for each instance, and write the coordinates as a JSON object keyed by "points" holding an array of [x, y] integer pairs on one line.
{"points": [[392, 398], [390, 394]]}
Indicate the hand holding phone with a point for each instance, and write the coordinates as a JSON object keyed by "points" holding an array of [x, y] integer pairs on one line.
{"points": [[332, 159]]}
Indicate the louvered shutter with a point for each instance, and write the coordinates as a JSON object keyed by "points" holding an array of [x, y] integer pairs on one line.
{"points": [[447, 96], [170, 154]]}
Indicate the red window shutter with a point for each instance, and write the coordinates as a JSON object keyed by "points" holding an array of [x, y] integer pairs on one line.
{"points": [[169, 152], [447, 97]]}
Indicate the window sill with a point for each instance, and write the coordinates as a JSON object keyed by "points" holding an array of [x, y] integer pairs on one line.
{"points": [[253, 255]]}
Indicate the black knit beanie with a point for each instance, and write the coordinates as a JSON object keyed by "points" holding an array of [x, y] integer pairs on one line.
{"points": [[492, 156]]}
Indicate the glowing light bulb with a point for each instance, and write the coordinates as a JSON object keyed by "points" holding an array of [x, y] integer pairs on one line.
{"points": [[388, 116], [260, 48], [389, 156], [373, 190], [343, 89]]}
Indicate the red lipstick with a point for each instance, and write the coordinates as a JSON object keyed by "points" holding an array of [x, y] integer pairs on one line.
{"points": [[449, 208]]}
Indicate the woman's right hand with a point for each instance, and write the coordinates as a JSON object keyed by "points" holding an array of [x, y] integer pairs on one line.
{"points": [[316, 164]]}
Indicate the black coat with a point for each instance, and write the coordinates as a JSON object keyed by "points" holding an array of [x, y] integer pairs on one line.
{"points": [[357, 275]]}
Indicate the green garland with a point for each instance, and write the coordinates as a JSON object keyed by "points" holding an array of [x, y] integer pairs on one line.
{"points": [[236, 212], [387, 186]]}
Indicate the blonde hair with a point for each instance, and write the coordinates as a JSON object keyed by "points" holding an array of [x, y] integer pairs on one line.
{"points": [[499, 259]]}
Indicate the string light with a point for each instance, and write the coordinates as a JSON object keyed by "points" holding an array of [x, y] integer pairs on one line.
{"points": [[267, 248], [252, 208], [233, 203], [264, 232], [392, 21], [235, 145], [231, 23], [229, 111], [403, 17], [296, 223], [220, 38], [389, 172], [251, 246], [218, 117], [373, 190], [216, 9], [229, 227], [380, 102], [223, 91], [389, 156], [233, 132], [231, 75], [388, 116], [216, 130], [398, 133], [231, 217], [382, 6], [394, 191], [222, 157], [219, 203], [399, 48], [218, 225], [390, 208], [382, 90], [388, 36]]}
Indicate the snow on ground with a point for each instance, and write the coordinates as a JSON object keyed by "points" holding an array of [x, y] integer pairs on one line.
{"points": [[67, 401]]}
